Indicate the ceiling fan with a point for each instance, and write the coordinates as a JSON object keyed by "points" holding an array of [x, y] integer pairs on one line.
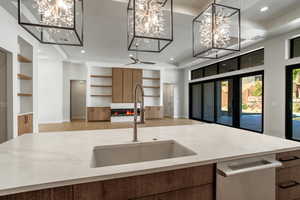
{"points": [[136, 60]]}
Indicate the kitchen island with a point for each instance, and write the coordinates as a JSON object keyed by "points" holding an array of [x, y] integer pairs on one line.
{"points": [[58, 166]]}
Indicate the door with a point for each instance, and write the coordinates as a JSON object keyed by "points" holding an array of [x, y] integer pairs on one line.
{"points": [[168, 100], [117, 88], [251, 102], [3, 97], [208, 101], [127, 86], [137, 79], [293, 102], [78, 100], [224, 101]]}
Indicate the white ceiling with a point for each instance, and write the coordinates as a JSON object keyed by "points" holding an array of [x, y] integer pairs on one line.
{"points": [[106, 26]]}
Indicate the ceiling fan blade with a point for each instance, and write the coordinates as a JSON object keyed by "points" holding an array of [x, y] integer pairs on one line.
{"points": [[132, 58], [148, 63], [131, 63]]}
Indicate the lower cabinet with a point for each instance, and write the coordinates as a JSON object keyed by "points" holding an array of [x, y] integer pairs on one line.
{"points": [[95, 114], [196, 183], [153, 112], [25, 124], [288, 176]]}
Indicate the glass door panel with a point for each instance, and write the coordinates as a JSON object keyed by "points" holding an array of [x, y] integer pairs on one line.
{"points": [[251, 102], [208, 101], [196, 92], [293, 110], [224, 101]]}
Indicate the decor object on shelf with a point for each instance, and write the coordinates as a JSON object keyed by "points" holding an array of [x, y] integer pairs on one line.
{"points": [[150, 25], [217, 31], [57, 22]]}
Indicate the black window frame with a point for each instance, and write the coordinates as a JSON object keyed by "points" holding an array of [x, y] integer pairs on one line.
{"points": [[292, 45], [219, 63], [289, 101], [236, 100]]}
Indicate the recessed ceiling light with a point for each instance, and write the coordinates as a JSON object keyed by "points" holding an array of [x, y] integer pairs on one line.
{"points": [[130, 55], [82, 51], [264, 9], [172, 59]]}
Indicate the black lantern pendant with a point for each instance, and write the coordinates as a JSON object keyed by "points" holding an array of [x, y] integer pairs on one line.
{"points": [[57, 22], [150, 25], [217, 32]]}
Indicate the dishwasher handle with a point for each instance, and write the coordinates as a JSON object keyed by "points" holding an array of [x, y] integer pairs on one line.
{"points": [[235, 168]]}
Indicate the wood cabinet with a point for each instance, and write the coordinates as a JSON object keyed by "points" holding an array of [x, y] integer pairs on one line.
{"points": [[195, 183], [137, 78], [98, 114], [25, 124], [288, 176], [123, 84], [153, 112], [127, 86], [117, 85]]}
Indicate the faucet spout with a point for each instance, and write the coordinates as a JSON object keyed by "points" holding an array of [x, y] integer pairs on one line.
{"points": [[142, 113]]}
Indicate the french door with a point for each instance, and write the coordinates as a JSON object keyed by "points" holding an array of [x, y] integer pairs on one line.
{"points": [[235, 101], [293, 102]]}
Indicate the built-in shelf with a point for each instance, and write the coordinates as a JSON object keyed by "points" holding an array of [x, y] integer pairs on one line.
{"points": [[23, 59], [101, 95], [104, 86], [24, 95], [152, 96], [24, 77], [150, 78], [101, 76], [153, 87]]}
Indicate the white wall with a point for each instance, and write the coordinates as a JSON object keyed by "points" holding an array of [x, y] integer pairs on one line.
{"points": [[71, 71], [276, 51], [10, 30], [50, 101]]}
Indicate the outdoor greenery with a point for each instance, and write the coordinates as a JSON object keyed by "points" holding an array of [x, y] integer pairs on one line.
{"points": [[258, 89]]}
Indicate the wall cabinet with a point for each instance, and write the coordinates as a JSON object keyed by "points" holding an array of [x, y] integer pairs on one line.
{"points": [[127, 86], [117, 85], [98, 114], [124, 83], [25, 124], [196, 183]]}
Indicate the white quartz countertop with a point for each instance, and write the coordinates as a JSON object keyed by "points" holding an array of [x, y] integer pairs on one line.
{"points": [[46, 160]]}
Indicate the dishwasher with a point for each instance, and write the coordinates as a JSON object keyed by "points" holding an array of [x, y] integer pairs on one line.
{"points": [[247, 179]]}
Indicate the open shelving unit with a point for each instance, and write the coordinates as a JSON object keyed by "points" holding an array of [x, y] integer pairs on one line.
{"points": [[152, 87], [25, 77], [99, 87]]}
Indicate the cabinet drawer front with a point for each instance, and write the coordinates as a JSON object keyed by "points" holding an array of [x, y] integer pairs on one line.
{"points": [[147, 185], [286, 175], [288, 193], [197, 193], [289, 159]]}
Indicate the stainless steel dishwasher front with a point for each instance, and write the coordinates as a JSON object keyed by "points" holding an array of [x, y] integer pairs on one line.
{"points": [[247, 179]]}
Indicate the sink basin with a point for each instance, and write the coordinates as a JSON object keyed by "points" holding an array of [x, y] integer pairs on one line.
{"points": [[138, 152]]}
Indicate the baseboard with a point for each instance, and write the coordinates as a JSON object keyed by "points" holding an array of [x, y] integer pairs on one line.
{"points": [[51, 122]]}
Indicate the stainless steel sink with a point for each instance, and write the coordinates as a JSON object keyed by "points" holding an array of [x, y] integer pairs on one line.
{"points": [[138, 152]]}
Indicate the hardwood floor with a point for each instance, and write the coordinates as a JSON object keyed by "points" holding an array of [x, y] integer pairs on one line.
{"points": [[83, 125]]}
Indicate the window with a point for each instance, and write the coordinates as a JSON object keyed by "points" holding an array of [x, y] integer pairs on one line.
{"points": [[235, 101], [253, 59], [211, 70], [251, 102], [295, 47], [198, 73], [224, 101], [228, 65], [196, 101], [293, 103]]}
